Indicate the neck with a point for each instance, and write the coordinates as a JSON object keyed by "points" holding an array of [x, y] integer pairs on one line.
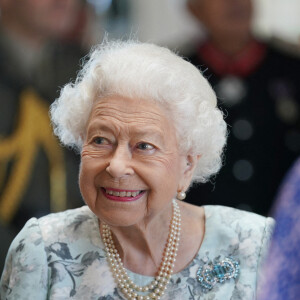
{"points": [[232, 45], [141, 246]]}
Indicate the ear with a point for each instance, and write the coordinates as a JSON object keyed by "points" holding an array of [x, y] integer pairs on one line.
{"points": [[189, 165]]}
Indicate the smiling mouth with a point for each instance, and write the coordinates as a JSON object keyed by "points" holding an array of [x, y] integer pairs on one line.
{"points": [[122, 195]]}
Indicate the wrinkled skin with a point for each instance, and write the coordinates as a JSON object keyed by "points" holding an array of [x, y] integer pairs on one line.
{"points": [[130, 144], [138, 151]]}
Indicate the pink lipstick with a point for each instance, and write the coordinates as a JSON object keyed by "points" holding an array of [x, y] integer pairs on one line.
{"points": [[122, 195]]}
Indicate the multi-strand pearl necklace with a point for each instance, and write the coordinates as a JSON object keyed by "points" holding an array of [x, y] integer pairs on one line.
{"points": [[157, 287]]}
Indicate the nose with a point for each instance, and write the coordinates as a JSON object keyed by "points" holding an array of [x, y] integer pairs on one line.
{"points": [[120, 163]]}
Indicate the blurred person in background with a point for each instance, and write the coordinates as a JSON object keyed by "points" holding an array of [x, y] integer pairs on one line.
{"points": [[282, 269], [259, 86], [40, 49]]}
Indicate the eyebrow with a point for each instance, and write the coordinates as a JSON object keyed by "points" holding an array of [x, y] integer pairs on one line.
{"points": [[156, 135], [149, 131]]}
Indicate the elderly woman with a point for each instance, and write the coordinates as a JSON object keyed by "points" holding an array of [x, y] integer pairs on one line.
{"points": [[146, 124]]}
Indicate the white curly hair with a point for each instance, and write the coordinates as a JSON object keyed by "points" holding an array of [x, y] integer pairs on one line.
{"points": [[153, 73]]}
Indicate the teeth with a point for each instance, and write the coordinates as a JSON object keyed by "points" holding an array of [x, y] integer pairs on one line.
{"points": [[122, 194]]}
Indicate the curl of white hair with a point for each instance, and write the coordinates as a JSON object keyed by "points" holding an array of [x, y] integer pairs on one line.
{"points": [[153, 73]]}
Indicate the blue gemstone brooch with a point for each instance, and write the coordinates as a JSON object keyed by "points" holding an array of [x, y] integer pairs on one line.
{"points": [[211, 273]]}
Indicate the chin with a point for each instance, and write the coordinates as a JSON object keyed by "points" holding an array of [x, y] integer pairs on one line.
{"points": [[119, 221], [117, 216]]}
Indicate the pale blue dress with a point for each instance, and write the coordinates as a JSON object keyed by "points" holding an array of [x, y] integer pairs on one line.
{"points": [[62, 256]]}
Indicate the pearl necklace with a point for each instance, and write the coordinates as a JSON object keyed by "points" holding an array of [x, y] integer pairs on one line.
{"points": [[158, 286]]}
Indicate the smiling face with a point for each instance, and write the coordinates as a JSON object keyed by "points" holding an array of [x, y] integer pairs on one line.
{"points": [[131, 167]]}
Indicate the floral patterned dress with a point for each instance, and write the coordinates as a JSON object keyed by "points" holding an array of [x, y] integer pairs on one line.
{"points": [[62, 256]]}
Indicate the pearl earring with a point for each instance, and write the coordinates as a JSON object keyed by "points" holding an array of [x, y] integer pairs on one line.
{"points": [[181, 195]]}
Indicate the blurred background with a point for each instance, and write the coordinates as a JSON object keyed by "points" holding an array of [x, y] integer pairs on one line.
{"points": [[249, 51]]}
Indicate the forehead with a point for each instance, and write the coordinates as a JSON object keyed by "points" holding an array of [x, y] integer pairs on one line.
{"points": [[131, 113]]}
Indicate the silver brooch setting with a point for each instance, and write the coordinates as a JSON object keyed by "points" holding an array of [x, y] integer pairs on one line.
{"points": [[218, 272]]}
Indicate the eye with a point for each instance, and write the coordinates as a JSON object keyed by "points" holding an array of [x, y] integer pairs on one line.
{"points": [[145, 146], [100, 141]]}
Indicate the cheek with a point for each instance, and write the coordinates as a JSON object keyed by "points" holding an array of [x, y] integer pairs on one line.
{"points": [[163, 174], [170, 164], [87, 174]]}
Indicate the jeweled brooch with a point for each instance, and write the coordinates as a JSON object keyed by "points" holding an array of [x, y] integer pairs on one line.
{"points": [[211, 273]]}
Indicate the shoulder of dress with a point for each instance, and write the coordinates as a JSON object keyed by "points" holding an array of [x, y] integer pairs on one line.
{"points": [[67, 223], [67, 216], [232, 217]]}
